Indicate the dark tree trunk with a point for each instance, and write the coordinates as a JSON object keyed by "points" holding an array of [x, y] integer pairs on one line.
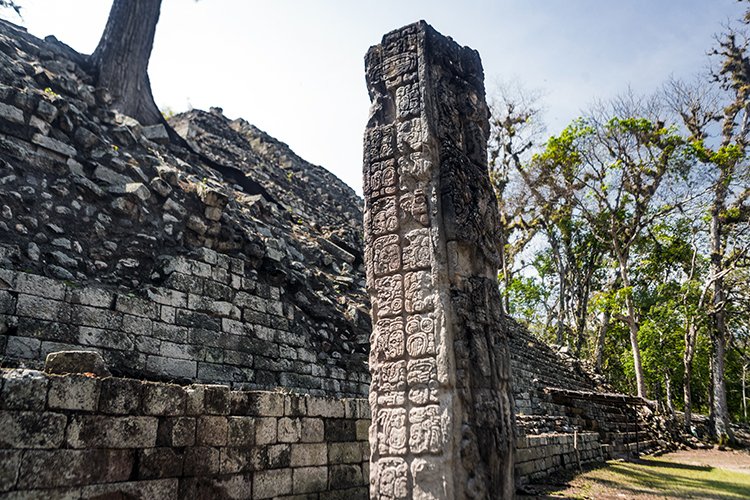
{"points": [[121, 58]]}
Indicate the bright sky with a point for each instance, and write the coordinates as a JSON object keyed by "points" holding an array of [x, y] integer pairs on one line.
{"points": [[295, 69]]}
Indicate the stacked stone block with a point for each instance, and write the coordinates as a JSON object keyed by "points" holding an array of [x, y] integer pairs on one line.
{"points": [[79, 436], [209, 321]]}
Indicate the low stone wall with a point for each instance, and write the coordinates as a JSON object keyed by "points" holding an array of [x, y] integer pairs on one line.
{"points": [[209, 321], [77, 436], [542, 455]]}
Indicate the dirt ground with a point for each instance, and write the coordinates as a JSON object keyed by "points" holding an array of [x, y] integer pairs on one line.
{"points": [[703, 474]]}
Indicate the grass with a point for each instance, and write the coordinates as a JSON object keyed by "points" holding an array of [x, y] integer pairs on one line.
{"points": [[657, 478]]}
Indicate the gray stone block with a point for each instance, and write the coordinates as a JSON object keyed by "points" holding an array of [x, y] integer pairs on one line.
{"points": [[33, 284], [272, 483], [120, 396], [346, 476], [33, 306], [23, 390], [23, 347], [55, 468], [265, 430], [172, 367], [136, 306], [309, 454], [216, 399], [10, 461], [158, 463], [75, 361], [212, 431], [201, 461], [24, 429], [241, 431], [158, 488], [309, 479], [96, 431], [73, 392], [93, 316], [163, 399], [100, 337]]}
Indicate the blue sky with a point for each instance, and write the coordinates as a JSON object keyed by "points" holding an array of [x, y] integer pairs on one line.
{"points": [[294, 68]]}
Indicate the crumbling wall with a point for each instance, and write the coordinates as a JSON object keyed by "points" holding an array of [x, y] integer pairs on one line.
{"points": [[78, 436], [232, 266]]}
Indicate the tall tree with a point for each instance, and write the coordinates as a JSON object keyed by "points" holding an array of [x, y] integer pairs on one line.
{"points": [[121, 58]]}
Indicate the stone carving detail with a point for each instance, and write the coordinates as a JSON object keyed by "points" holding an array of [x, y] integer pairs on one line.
{"points": [[427, 429], [420, 336], [389, 296], [417, 250], [392, 436], [389, 341], [387, 254], [440, 395], [407, 101], [393, 479], [384, 217], [418, 292], [414, 207]]}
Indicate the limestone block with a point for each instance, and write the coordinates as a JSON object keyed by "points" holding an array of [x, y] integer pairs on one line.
{"points": [[309, 479], [309, 454], [73, 392], [340, 430], [345, 476], [22, 347], [325, 407], [312, 430], [23, 390], [54, 145], [41, 286], [265, 430], [241, 431], [172, 367], [201, 461], [234, 460], [272, 483], [344, 453], [157, 463], [24, 429], [212, 431], [9, 463], [36, 307], [11, 113], [136, 306], [94, 431], [163, 399], [289, 430], [56, 468], [159, 488], [266, 404]]}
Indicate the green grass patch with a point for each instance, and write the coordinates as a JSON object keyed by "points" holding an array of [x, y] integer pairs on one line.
{"points": [[661, 478]]}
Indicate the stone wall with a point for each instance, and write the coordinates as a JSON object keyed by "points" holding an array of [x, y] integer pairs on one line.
{"points": [[236, 262], [209, 321], [78, 436]]}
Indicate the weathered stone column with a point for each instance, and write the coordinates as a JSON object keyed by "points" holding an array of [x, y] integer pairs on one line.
{"points": [[441, 403]]}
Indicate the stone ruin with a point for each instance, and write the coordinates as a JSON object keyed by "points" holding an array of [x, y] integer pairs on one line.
{"points": [[225, 297], [440, 397]]}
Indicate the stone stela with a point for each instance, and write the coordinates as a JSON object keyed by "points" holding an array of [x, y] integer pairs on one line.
{"points": [[442, 409]]}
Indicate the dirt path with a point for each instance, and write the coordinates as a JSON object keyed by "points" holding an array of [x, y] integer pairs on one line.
{"points": [[703, 474]]}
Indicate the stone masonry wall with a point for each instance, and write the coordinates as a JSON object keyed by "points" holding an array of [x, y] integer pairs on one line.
{"points": [[77, 436], [210, 321]]}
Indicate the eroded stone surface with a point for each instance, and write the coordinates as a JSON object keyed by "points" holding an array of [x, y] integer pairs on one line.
{"points": [[442, 410]]}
